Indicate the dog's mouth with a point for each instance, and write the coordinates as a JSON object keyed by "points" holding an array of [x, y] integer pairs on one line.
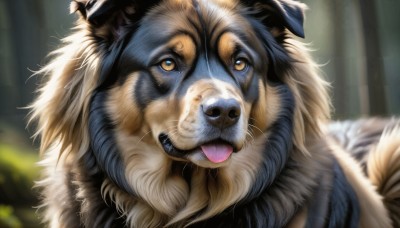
{"points": [[216, 150]]}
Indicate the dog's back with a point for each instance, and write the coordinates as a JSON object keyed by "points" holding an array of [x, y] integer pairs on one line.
{"points": [[375, 143]]}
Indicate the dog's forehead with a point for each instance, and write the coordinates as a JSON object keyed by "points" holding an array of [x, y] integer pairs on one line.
{"points": [[203, 21], [190, 29], [196, 16]]}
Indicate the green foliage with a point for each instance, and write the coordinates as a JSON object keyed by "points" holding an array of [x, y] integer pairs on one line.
{"points": [[20, 160], [18, 171], [7, 217]]}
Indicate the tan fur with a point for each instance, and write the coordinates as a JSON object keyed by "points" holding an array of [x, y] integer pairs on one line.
{"points": [[126, 114], [163, 191], [227, 44], [53, 178], [299, 220], [184, 46], [61, 110], [265, 111], [311, 94], [384, 170]]}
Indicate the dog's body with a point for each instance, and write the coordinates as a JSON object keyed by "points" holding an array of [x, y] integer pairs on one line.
{"points": [[203, 114]]}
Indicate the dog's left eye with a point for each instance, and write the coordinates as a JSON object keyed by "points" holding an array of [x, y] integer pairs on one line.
{"points": [[168, 65], [240, 64]]}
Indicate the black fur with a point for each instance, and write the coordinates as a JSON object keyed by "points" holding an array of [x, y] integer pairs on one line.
{"points": [[103, 143], [95, 205], [344, 210], [109, 73], [145, 90], [318, 205], [277, 150], [282, 15], [334, 202], [278, 58]]}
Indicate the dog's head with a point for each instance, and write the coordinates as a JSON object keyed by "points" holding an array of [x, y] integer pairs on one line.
{"points": [[191, 73], [190, 76], [202, 83]]}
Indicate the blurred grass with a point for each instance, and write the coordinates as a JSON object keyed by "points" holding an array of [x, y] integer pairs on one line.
{"points": [[7, 217], [18, 171], [19, 160]]}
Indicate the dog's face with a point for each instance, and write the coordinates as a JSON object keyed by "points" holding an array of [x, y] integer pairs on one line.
{"points": [[192, 77], [191, 83]]}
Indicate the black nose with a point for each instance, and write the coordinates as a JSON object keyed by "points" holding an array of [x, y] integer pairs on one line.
{"points": [[221, 113]]}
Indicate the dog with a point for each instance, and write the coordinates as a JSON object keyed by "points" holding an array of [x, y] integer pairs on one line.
{"points": [[204, 113]]}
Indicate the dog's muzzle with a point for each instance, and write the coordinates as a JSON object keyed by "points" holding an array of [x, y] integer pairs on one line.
{"points": [[216, 136]]}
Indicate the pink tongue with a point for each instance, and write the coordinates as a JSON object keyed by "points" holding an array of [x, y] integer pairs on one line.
{"points": [[217, 153]]}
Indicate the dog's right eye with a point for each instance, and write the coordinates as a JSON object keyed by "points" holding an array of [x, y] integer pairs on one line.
{"points": [[168, 65], [240, 64]]}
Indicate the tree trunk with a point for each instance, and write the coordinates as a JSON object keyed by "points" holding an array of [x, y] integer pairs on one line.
{"points": [[373, 58], [340, 95]]}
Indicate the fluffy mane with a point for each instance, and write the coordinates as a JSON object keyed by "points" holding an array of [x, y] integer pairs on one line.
{"points": [[111, 176]]}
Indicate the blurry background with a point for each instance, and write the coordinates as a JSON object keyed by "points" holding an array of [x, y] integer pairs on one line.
{"points": [[357, 43]]}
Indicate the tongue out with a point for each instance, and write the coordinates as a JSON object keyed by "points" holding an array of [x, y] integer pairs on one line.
{"points": [[217, 153]]}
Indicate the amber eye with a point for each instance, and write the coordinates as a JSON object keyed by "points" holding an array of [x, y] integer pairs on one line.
{"points": [[240, 64], [168, 65]]}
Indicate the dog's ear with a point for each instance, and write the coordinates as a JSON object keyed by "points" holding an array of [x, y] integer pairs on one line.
{"points": [[280, 14], [116, 13], [95, 12]]}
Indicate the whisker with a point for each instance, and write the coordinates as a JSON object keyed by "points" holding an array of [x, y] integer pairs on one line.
{"points": [[140, 140]]}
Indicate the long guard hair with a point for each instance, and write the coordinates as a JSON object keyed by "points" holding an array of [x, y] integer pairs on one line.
{"points": [[124, 100]]}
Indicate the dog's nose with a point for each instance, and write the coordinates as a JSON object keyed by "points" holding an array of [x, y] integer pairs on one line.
{"points": [[221, 113]]}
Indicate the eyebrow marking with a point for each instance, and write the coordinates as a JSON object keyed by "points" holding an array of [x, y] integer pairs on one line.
{"points": [[184, 46]]}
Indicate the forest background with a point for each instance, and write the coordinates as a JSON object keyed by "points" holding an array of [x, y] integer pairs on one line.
{"points": [[356, 42]]}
